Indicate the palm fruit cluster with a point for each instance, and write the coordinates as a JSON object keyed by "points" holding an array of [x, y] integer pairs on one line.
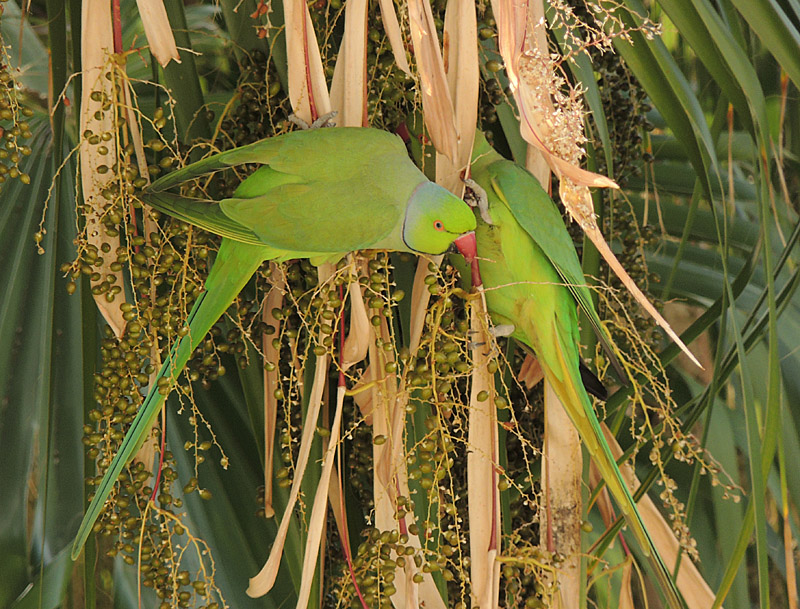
{"points": [[14, 126], [155, 265], [165, 262], [167, 267]]}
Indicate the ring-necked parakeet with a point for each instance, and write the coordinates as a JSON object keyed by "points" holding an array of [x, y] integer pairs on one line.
{"points": [[533, 282], [317, 194]]}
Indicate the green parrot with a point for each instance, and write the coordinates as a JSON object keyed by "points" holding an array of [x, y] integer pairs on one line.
{"points": [[317, 194], [533, 281]]}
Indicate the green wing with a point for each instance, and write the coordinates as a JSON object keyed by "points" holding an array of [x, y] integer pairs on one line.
{"points": [[338, 153], [319, 191], [538, 215], [320, 216]]}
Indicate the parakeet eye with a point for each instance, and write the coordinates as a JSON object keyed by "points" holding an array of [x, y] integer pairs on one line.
{"points": [[438, 225]]}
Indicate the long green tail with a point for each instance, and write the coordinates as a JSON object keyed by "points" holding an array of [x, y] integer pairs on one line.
{"points": [[580, 410], [235, 264]]}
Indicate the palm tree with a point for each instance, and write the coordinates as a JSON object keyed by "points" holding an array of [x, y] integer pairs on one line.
{"points": [[376, 495]]}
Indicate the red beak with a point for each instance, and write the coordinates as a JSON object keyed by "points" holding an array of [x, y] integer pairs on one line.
{"points": [[468, 247]]}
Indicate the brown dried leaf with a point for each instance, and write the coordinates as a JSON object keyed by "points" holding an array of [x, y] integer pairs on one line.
{"points": [[394, 34], [680, 316], [158, 31], [537, 164], [511, 17], [625, 590], [391, 476], [349, 86], [263, 582], [335, 498], [316, 523], [535, 161], [420, 297], [308, 91], [463, 75], [147, 452], [384, 493], [362, 396], [580, 177], [135, 130], [410, 595], [96, 49], [600, 243], [788, 549], [437, 105], [360, 335]]}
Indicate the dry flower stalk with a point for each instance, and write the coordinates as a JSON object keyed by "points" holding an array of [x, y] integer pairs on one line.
{"points": [[271, 381], [262, 583], [482, 460], [388, 414], [410, 594], [147, 453], [420, 297], [530, 372], [625, 589], [562, 473], [316, 525], [360, 335]]}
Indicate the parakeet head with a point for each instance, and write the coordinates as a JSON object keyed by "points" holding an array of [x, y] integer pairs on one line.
{"points": [[434, 219]]}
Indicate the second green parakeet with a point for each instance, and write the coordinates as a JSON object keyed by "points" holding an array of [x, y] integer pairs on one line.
{"points": [[533, 281], [316, 194]]}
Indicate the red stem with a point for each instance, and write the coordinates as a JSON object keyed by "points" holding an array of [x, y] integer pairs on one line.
{"points": [[341, 339], [117, 26]]}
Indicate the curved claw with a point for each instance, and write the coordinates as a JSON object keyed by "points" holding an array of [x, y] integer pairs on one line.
{"points": [[502, 330], [326, 120], [479, 198]]}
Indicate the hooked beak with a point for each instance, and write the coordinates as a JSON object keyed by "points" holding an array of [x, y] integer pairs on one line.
{"points": [[468, 247]]}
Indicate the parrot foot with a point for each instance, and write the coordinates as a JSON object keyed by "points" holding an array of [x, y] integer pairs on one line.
{"points": [[502, 330], [326, 120], [479, 198]]}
